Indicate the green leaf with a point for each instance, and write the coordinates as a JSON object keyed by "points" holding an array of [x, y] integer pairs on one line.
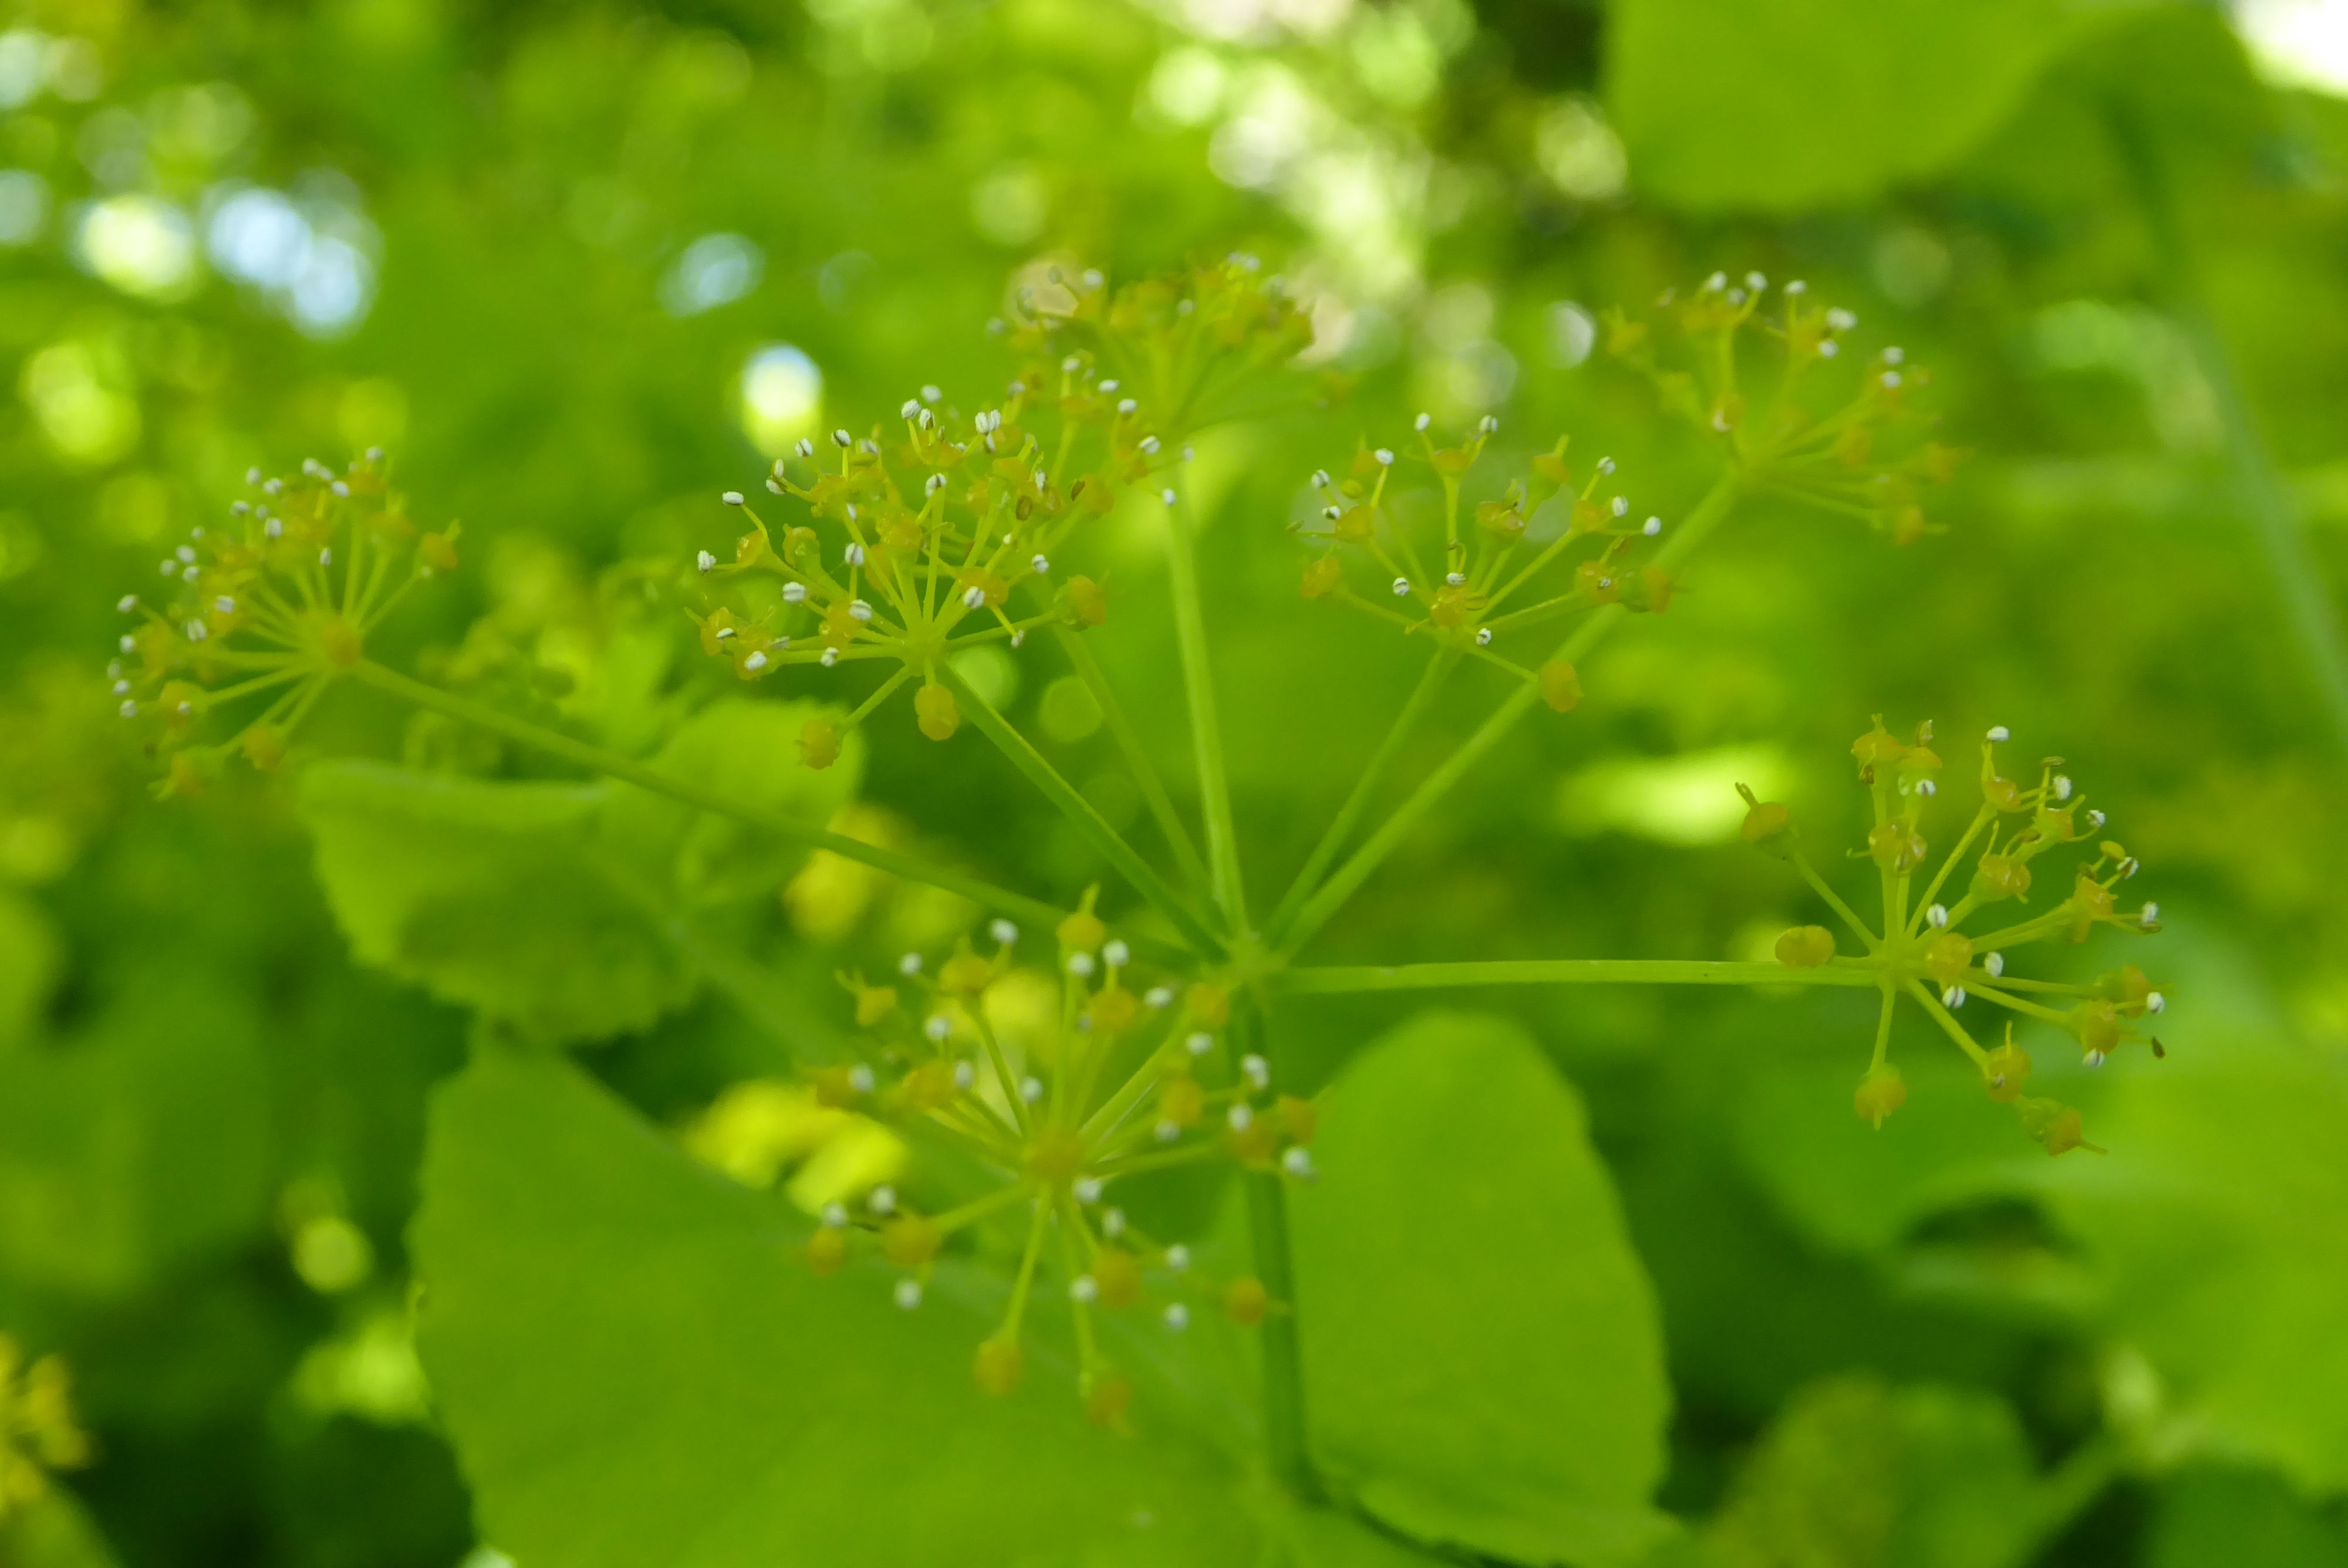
{"points": [[1858, 1475], [138, 1145], [1482, 1352], [636, 1367], [54, 1530], [498, 896], [749, 751], [1805, 103]]}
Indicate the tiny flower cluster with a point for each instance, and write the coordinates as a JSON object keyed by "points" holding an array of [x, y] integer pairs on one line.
{"points": [[1494, 551], [1127, 1079], [281, 600], [1857, 456], [38, 1430], [1923, 950]]}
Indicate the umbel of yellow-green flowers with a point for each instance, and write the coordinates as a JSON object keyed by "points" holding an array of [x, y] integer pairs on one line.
{"points": [[1131, 1077], [1942, 941], [259, 614], [1850, 449], [912, 542], [37, 1431]]}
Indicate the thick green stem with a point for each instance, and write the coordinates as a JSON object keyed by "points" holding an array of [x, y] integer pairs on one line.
{"points": [[1348, 878], [1349, 816], [1206, 724], [1345, 979], [1128, 742], [1085, 819], [554, 743], [1279, 1337]]}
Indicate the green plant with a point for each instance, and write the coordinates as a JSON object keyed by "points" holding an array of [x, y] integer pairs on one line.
{"points": [[1159, 1044]]}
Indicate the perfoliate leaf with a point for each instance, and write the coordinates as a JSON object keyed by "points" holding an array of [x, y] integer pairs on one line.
{"points": [[748, 750], [499, 896], [1483, 1355], [1727, 106], [637, 1366]]}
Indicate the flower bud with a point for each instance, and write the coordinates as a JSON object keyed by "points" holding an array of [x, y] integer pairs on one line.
{"points": [[909, 1241], [819, 743], [936, 712], [1805, 947], [1879, 1093], [2000, 876], [997, 1366], [1948, 957], [1082, 602], [826, 1250], [1322, 576], [1117, 1275], [1561, 686], [1245, 1302]]}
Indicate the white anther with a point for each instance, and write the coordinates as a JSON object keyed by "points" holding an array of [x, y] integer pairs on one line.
{"points": [[1455, 579], [191, 573], [705, 563], [835, 1215], [1072, 365], [1167, 1132], [842, 439], [1117, 954], [1999, 732], [1126, 406], [326, 557], [1422, 422], [273, 528], [910, 409], [273, 487], [2061, 786], [2151, 914], [755, 662], [1239, 1116], [2154, 1002], [860, 1079], [122, 688], [1483, 637], [1004, 932], [1333, 513], [186, 553], [987, 423], [1620, 506], [965, 1075], [1159, 997], [1080, 965], [859, 611], [196, 632], [829, 657], [732, 497], [1088, 1189], [1755, 282], [909, 965], [1039, 564], [930, 394], [1177, 1317], [1994, 965], [938, 1027], [1256, 1070], [1385, 458], [882, 1200], [1112, 1222], [1298, 1163], [853, 554], [1319, 478], [253, 476], [794, 592], [1605, 465], [1031, 1089], [1955, 996], [1927, 788], [1937, 916], [127, 643], [1717, 283], [127, 603], [1797, 287], [1199, 1042], [1736, 296], [1148, 445], [1167, 497], [1082, 1288], [2130, 867], [1488, 425], [1178, 1257], [2096, 819], [2093, 1058], [1400, 585], [908, 1294], [1841, 319], [170, 568], [973, 597], [239, 508], [806, 448], [129, 710]]}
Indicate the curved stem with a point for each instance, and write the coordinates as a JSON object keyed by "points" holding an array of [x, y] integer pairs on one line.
{"points": [[554, 743], [1348, 877], [1086, 820], [1345, 979]]}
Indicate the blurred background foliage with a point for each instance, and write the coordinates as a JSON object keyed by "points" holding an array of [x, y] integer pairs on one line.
{"points": [[580, 267]]}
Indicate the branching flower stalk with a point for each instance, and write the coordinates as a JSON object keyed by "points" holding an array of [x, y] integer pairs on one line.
{"points": [[905, 545]]}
